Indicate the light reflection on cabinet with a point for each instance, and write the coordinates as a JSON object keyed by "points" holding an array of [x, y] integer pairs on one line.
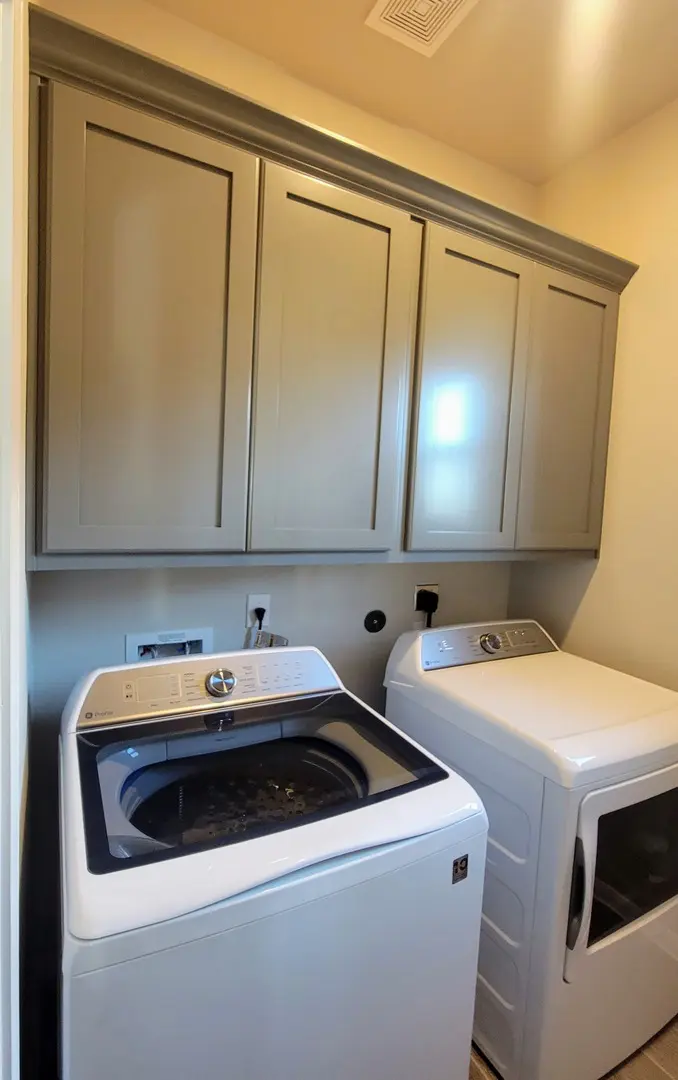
{"points": [[473, 340]]}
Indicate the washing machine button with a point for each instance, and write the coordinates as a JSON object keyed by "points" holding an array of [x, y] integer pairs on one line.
{"points": [[220, 683], [491, 643]]}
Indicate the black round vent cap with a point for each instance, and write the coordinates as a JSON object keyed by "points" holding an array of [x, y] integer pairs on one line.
{"points": [[375, 621]]}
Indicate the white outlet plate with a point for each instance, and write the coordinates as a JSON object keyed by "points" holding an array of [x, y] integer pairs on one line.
{"points": [[432, 587], [255, 600], [419, 616], [135, 642]]}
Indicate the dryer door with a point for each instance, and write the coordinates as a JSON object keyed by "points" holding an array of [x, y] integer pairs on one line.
{"points": [[624, 896]]}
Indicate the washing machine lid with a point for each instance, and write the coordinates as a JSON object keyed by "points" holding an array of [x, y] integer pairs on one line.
{"points": [[161, 790], [572, 720], [168, 813]]}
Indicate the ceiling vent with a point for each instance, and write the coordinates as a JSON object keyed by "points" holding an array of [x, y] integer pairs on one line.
{"points": [[422, 24]]}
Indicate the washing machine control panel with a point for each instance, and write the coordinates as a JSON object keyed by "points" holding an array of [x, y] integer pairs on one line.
{"points": [[457, 645], [201, 683]]}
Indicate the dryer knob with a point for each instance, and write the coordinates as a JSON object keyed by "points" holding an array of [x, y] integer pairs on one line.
{"points": [[491, 643], [220, 683]]}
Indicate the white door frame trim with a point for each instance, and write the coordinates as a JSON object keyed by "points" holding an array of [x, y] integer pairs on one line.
{"points": [[13, 592]]}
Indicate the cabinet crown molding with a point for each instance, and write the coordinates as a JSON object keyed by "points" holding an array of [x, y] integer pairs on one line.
{"points": [[68, 53]]}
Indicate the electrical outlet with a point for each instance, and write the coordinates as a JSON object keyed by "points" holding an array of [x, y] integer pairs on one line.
{"points": [[420, 616], [255, 600], [431, 588]]}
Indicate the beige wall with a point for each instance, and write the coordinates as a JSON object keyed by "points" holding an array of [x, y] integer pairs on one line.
{"points": [[79, 618], [156, 33], [623, 611]]}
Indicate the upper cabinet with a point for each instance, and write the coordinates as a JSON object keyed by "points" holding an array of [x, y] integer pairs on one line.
{"points": [[567, 413], [473, 341], [148, 335], [337, 283], [236, 357]]}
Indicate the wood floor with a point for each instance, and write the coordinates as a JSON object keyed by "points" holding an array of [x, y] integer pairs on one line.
{"points": [[656, 1061]]}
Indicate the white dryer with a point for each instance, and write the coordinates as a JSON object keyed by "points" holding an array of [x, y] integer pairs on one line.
{"points": [[261, 878], [577, 766]]}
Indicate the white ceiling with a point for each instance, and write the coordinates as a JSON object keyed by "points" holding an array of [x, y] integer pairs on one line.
{"points": [[526, 85]]}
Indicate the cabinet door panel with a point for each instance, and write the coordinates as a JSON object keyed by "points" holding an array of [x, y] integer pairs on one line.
{"points": [[337, 273], [567, 413], [149, 337], [472, 359]]}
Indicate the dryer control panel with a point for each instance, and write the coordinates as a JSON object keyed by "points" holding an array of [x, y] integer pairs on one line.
{"points": [[473, 644]]}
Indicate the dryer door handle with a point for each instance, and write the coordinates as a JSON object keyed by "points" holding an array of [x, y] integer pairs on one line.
{"points": [[577, 894]]}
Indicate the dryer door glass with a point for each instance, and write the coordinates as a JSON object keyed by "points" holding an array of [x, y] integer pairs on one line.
{"points": [[158, 790], [636, 863]]}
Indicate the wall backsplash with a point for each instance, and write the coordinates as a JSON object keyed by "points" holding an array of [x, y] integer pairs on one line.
{"points": [[79, 618]]}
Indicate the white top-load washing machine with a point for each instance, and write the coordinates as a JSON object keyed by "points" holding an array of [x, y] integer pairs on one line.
{"points": [[577, 766], [261, 878]]}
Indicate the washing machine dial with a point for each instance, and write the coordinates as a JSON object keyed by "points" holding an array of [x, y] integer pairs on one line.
{"points": [[491, 643], [220, 683]]}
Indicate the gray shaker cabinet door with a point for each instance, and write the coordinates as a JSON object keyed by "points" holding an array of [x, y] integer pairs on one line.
{"points": [[567, 413], [337, 284], [473, 339], [149, 328]]}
